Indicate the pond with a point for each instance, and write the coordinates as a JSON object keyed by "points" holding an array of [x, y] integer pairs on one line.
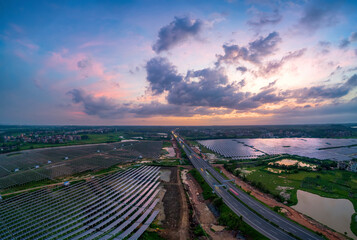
{"points": [[335, 213]]}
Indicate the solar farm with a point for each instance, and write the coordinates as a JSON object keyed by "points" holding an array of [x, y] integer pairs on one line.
{"points": [[231, 148], [320, 148], [39, 164], [117, 206]]}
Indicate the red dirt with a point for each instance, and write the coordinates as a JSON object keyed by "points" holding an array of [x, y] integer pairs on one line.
{"points": [[177, 150]]}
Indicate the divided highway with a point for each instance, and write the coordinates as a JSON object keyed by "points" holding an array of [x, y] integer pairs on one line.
{"points": [[262, 221]]}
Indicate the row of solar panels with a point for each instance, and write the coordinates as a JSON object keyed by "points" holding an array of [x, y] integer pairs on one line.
{"points": [[33, 166], [101, 208], [230, 149], [28, 159]]}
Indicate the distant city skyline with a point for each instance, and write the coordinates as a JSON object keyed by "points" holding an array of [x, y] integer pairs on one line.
{"points": [[178, 62]]}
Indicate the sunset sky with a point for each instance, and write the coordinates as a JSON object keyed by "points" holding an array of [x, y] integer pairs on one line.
{"points": [[178, 62]]}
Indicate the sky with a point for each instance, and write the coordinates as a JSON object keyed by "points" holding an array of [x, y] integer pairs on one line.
{"points": [[178, 62]]}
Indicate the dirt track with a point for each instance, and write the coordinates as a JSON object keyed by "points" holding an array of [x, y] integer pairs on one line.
{"points": [[289, 212], [176, 222]]}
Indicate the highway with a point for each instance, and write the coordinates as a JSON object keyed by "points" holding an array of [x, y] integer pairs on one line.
{"points": [[281, 228]]}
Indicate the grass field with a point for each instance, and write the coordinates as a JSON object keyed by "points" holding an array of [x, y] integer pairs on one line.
{"points": [[354, 223], [326, 183], [167, 144]]}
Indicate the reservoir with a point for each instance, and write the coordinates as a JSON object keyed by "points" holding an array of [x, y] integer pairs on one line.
{"points": [[334, 213]]}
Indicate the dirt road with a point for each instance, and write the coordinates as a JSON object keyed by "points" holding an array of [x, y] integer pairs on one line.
{"points": [[176, 222]]}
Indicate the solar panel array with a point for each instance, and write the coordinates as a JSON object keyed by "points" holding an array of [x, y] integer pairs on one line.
{"points": [[116, 206], [66, 161], [308, 147], [231, 148]]}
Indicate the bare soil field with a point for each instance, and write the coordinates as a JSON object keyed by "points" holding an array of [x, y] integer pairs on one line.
{"points": [[288, 211]]}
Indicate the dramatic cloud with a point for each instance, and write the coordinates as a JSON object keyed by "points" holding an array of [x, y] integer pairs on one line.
{"points": [[323, 92], [254, 52], [102, 107], [161, 75], [206, 92], [318, 14], [261, 19], [347, 41], [107, 109], [159, 109], [210, 88], [331, 112], [176, 32]]}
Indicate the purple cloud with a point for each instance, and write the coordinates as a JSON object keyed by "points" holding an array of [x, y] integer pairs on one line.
{"points": [[176, 32]]}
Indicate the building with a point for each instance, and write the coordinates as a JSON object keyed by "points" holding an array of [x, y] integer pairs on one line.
{"points": [[352, 166]]}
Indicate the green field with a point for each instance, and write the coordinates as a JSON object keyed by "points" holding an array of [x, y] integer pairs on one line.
{"points": [[326, 183], [167, 144], [354, 223]]}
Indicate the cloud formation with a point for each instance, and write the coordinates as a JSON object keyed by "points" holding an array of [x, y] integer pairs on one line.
{"points": [[254, 52], [107, 108], [323, 92], [102, 107], [210, 87], [340, 111], [347, 41], [176, 32], [261, 19], [274, 66], [242, 69], [83, 64], [161, 75], [319, 14]]}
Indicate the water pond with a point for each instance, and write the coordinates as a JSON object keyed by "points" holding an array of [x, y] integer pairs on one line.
{"points": [[335, 213]]}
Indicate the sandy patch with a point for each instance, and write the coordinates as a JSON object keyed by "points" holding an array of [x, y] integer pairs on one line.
{"points": [[274, 170], [290, 162], [244, 172], [171, 151], [165, 175]]}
